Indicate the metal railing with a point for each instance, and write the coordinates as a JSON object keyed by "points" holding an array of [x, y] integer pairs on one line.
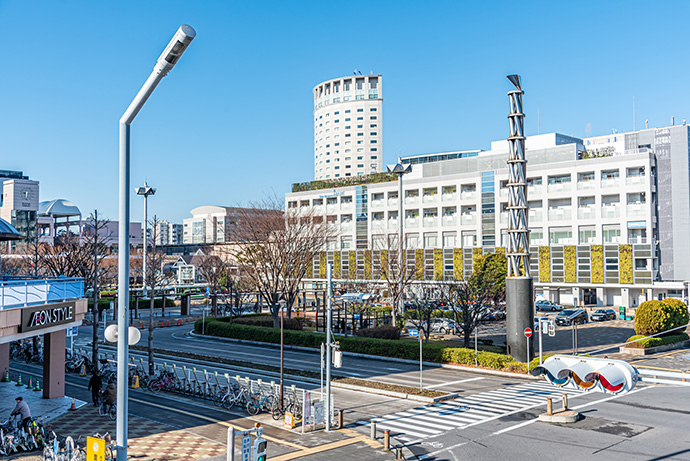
{"points": [[29, 292]]}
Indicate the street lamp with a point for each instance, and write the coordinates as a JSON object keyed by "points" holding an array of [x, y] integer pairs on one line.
{"points": [[167, 60], [400, 170], [145, 191]]}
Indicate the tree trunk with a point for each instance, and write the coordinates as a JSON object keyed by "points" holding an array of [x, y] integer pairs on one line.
{"points": [[94, 337], [150, 342]]}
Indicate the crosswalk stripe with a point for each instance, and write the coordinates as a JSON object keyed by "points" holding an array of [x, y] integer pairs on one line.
{"points": [[457, 417], [469, 410], [407, 428]]}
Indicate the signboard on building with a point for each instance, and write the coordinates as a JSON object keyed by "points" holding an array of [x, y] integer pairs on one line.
{"points": [[46, 316]]}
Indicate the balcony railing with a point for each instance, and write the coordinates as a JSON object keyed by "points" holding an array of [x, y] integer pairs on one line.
{"points": [[637, 209], [21, 293], [431, 221], [559, 187], [450, 220], [537, 189], [433, 198], [585, 185], [377, 203], [411, 222], [610, 211], [468, 195], [392, 202], [468, 219], [586, 213], [392, 224], [535, 215], [609, 182], [378, 224], [634, 180], [560, 214], [411, 200], [448, 197]]}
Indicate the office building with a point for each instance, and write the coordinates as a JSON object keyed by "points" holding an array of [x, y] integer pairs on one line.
{"points": [[348, 121], [606, 216], [167, 233], [19, 202]]}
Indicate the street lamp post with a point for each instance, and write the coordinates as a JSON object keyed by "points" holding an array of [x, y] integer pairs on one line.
{"points": [[167, 60], [400, 170], [145, 191]]}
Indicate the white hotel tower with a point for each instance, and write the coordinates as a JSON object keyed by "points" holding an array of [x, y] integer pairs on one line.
{"points": [[347, 127]]}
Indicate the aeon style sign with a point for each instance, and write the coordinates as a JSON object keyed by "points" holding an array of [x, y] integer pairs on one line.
{"points": [[39, 317]]}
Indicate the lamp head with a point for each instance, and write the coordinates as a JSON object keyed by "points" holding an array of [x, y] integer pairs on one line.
{"points": [[179, 43]]}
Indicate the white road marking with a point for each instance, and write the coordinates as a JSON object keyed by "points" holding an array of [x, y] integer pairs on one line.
{"points": [[436, 386]]}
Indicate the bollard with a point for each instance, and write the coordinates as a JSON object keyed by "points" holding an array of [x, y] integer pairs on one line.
{"points": [[373, 430], [340, 419], [549, 406], [565, 401], [386, 440]]}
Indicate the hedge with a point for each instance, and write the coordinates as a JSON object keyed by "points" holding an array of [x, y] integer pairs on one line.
{"points": [[384, 332], [657, 341], [264, 320], [370, 346], [654, 317]]}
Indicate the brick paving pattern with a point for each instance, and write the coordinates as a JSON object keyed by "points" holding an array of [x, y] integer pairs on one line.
{"points": [[148, 440]]}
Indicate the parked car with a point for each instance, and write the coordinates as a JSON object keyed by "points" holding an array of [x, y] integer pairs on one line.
{"points": [[570, 316], [546, 306], [601, 315], [443, 325]]}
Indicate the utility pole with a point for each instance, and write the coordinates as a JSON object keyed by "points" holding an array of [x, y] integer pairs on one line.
{"points": [[145, 191]]}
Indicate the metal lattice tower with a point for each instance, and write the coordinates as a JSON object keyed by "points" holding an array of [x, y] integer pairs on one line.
{"points": [[518, 230]]}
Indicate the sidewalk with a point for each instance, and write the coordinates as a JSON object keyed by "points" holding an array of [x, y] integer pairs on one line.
{"points": [[44, 409]]}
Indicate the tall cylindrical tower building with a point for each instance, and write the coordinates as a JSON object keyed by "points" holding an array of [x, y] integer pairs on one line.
{"points": [[347, 127]]}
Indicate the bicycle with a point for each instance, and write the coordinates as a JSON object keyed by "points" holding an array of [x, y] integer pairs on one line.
{"points": [[111, 411], [263, 401]]}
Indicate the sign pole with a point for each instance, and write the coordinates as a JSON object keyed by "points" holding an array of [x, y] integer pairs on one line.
{"points": [[541, 327], [421, 379], [231, 443], [329, 305], [527, 338]]}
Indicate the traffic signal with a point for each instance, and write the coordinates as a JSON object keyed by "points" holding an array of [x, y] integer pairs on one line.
{"points": [[588, 373], [260, 449]]}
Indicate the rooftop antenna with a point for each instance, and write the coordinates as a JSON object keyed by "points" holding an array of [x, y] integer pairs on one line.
{"points": [[673, 120], [633, 113], [355, 72], [646, 123]]}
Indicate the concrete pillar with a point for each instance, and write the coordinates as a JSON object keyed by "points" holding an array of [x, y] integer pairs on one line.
{"points": [[4, 359], [650, 294], [625, 297], [577, 297], [54, 365], [601, 299]]}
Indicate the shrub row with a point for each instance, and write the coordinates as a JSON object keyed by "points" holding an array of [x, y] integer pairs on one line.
{"points": [[385, 332], [657, 341], [267, 321], [362, 345]]}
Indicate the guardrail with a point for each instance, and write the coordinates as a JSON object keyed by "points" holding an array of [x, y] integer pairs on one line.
{"points": [[30, 292]]}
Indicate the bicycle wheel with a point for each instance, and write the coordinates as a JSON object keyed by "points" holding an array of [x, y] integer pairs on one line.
{"points": [[253, 407], [113, 413], [101, 410], [48, 454], [276, 412]]}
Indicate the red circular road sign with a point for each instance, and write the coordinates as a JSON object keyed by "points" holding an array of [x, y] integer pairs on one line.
{"points": [[528, 332]]}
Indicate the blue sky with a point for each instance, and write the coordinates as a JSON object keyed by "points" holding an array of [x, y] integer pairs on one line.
{"points": [[233, 120]]}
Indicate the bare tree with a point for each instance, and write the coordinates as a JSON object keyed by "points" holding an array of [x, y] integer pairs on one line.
{"points": [[211, 268], [93, 241], [275, 248], [397, 278], [154, 278]]}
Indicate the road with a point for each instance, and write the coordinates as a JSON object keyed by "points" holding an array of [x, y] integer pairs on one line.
{"points": [[647, 424]]}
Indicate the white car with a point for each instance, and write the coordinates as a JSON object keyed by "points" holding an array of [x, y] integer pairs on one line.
{"points": [[547, 306]]}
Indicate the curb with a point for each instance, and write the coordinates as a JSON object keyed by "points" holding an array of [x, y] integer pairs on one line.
{"points": [[505, 374]]}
